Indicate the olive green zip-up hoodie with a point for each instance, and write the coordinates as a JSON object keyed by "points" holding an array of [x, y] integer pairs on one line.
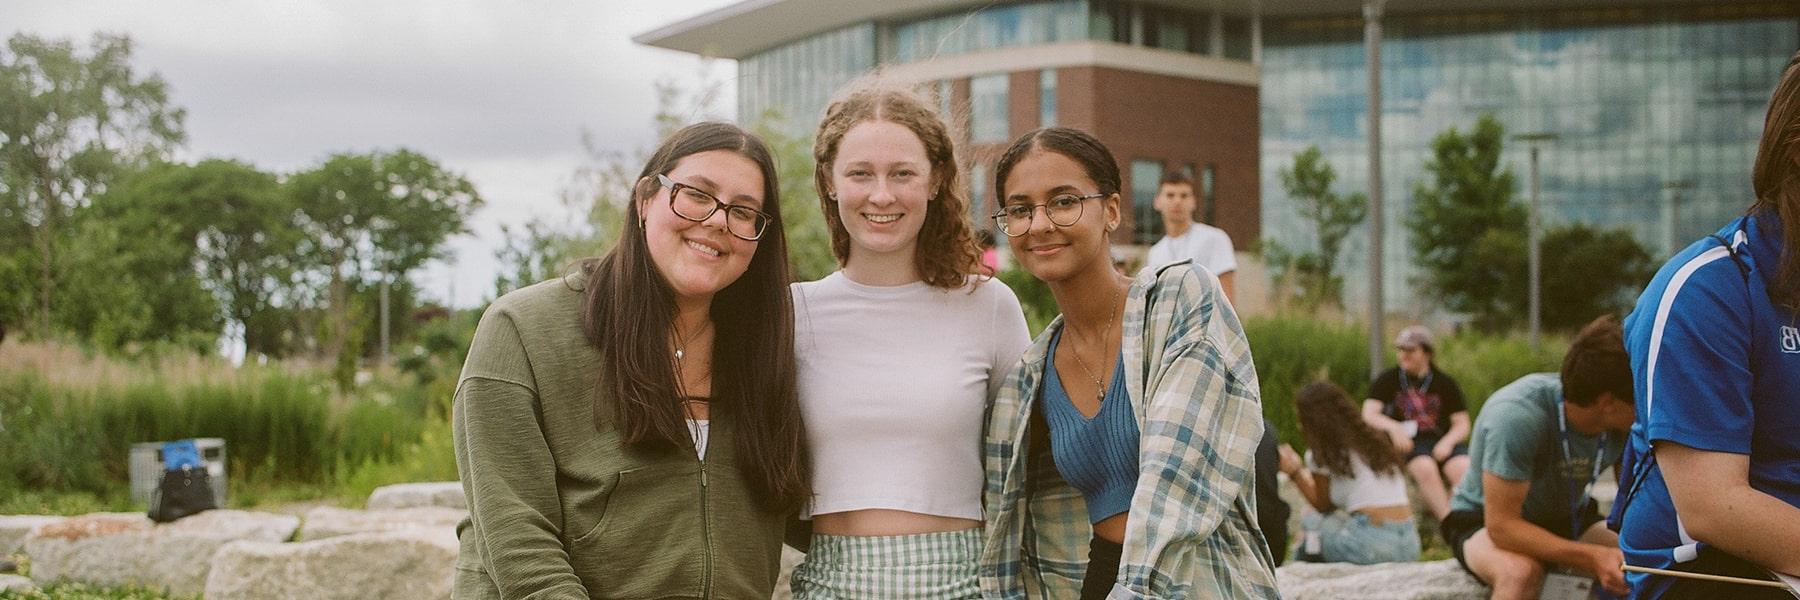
{"points": [[560, 510]]}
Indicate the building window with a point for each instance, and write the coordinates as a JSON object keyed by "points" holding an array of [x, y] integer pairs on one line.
{"points": [[944, 91], [1047, 98], [1175, 29], [978, 186], [1110, 21], [1146, 178], [1208, 183], [1236, 31], [987, 108]]}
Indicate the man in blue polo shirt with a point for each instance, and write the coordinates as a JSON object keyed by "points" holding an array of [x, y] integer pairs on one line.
{"points": [[1713, 468]]}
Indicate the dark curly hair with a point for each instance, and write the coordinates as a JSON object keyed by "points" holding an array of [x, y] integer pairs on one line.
{"points": [[946, 253], [1333, 430]]}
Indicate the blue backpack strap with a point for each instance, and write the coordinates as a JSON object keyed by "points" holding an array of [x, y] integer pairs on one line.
{"points": [[181, 454]]}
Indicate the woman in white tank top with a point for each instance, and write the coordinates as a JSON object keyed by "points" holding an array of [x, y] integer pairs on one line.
{"points": [[898, 353], [1351, 476]]}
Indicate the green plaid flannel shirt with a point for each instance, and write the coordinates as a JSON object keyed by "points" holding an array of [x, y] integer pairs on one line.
{"points": [[1192, 528]]}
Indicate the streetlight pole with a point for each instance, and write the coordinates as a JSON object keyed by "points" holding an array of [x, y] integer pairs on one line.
{"points": [[1372, 10], [1533, 252]]}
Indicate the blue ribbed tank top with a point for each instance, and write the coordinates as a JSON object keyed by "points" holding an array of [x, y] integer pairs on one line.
{"points": [[1098, 456]]}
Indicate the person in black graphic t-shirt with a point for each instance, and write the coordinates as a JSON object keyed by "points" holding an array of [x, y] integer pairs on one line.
{"points": [[1421, 409]]}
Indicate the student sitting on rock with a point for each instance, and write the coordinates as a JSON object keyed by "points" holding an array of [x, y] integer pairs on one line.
{"points": [[1351, 475]]}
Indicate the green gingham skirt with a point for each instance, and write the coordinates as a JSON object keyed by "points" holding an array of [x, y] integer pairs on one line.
{"points": [[926, 566]]}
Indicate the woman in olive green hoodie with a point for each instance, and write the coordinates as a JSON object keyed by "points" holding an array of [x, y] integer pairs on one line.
{"points": [[631, 431]]}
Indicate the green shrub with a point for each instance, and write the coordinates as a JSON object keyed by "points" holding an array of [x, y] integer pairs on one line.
{"points": [[1482, 363], [431, 458], [1291, 351], [1034, 296], [69, 445]]}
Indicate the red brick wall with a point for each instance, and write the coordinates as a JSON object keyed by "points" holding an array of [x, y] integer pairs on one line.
{"points": [[1141, 116], [1180, 122]]}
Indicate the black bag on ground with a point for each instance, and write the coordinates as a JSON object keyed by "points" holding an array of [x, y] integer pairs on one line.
{"points": [[186, 487]]}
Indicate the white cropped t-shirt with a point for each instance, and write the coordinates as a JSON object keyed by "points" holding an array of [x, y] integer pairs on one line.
{"points": [[1363, 488], [893, 382]]}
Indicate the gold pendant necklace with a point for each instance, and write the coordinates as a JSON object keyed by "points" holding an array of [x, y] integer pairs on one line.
{"points": [[1099, 391]]}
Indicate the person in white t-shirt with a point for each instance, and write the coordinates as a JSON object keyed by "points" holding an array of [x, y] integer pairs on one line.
{"points": [[1186, 239], [899, 353]]}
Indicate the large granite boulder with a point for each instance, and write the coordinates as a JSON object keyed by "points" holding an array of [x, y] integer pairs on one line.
{"points": [[327, 522], [446, 494], [1436, 580], [14, 528], [17, 584], [114, 549], [408, 564]]}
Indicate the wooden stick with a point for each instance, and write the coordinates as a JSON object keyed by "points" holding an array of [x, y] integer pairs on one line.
{"points": [[1719, 578]]}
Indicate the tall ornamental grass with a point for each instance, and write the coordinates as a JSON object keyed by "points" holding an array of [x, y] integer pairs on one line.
{"points": [[1293, 350], [61, 434]]}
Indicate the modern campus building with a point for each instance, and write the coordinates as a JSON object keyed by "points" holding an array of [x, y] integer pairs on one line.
{"points": [[1655, 106]]}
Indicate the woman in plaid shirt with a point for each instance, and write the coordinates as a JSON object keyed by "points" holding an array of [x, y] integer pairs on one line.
{"points": [[1129, 431]]}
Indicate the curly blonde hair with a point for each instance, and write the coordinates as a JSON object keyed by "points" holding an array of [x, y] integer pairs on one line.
{"points": [[946, 253]]}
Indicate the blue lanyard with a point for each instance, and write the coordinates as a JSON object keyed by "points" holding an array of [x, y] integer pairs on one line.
{"points": [[1575, 503], [1423, 384]]}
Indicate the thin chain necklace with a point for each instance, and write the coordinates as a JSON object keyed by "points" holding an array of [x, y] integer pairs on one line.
{"points": [[1099, 391], [681, 345], [687, 403]]}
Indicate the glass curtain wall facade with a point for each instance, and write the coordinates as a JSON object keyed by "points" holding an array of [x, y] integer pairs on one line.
{"points": [[796, 79], [1146, 179], [1646, 103]]}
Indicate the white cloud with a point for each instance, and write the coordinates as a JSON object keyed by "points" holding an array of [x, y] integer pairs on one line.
{"points": [[496, 90]]}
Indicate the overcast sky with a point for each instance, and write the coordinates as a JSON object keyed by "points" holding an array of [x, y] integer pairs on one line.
{"points": [[496, 90]]}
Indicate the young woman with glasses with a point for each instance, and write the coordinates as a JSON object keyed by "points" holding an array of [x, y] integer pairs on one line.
{"points": [[899, 352], [632, 430], [1120, 456]]}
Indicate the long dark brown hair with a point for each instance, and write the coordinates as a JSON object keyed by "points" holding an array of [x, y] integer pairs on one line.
{"points": [[1333, 430], [946, 253], [630, 312], [1776, 179]]}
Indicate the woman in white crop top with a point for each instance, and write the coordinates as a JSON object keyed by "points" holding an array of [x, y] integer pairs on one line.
{"points": [[1352, 476], [899, 353]]}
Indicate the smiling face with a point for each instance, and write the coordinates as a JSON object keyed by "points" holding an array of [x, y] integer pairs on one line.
{"points": [[882, 180], [1050, 252], [699, 259]]}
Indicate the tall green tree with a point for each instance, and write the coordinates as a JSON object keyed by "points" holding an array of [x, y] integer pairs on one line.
{"points": [[1331, 216], [1469, 239], [1462, 221], [1589, 272], [130, 282], [239, 232], [71, 122], [808, 239], [373, 217]]}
